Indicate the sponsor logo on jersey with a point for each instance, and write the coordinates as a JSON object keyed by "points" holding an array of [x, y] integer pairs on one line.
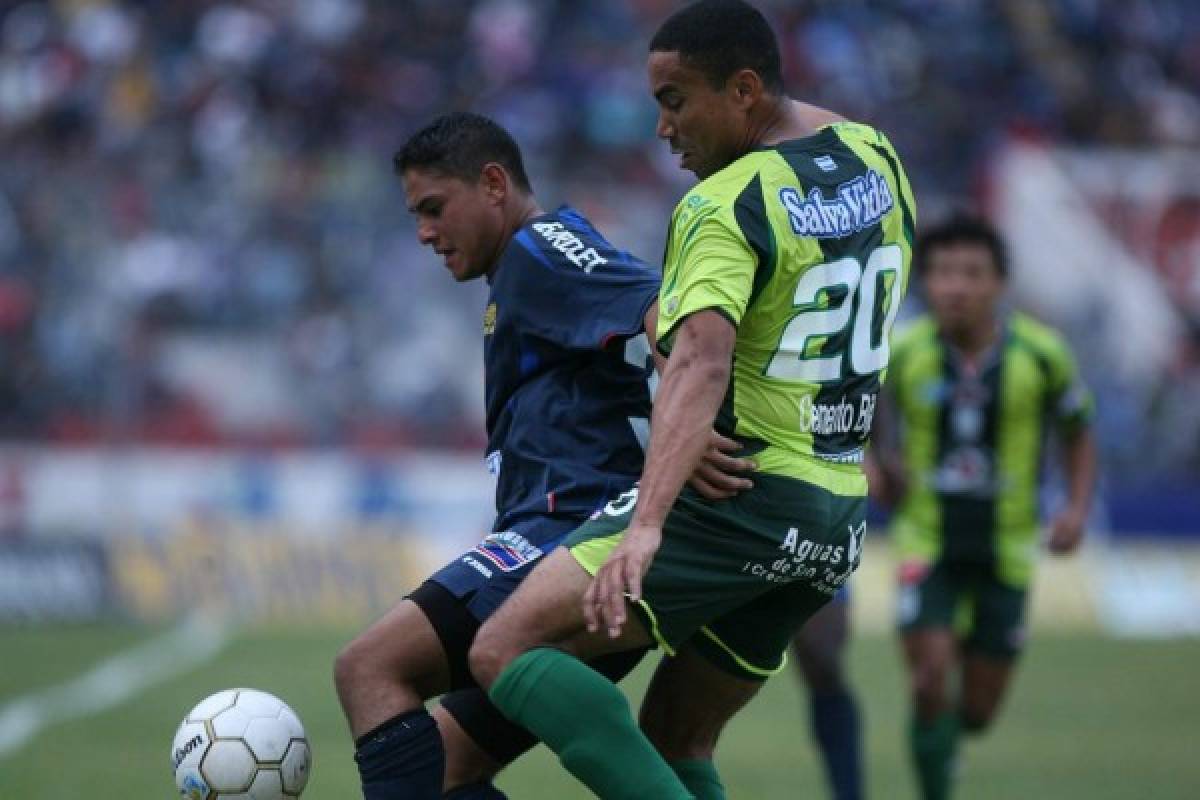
{"points": [[508, 550], [828, 419], [857, 204], [489, 319], [689, 215], [825, 163], [808, 550], [966, 469], [570, 245]]}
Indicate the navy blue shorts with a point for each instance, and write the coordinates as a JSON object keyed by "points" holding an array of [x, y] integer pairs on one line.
{"points": [[461, 595], [482, 578]]}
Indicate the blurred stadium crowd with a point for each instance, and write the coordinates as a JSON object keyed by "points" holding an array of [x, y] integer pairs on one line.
{"points": [[201, 240]]}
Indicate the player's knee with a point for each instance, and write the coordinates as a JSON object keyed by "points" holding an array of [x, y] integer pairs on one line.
{"points": [[976, 720], [677, 738], [490, 653], [348, 667], [364, 663], [928, 687], [677, 743], [977, 713]]}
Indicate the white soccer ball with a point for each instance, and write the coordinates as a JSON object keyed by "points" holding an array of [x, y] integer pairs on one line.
{"points": [[240, 744]]}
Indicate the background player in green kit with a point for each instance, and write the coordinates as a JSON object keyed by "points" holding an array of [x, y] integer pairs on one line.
{"points": [[785, 268], [973, 390]]}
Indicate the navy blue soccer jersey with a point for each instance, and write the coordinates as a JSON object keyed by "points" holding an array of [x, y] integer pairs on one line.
{"points": [[567, 368]]}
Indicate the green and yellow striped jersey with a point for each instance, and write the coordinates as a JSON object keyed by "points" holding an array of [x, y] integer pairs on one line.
{"points": [[805, 246], [972, 442]]}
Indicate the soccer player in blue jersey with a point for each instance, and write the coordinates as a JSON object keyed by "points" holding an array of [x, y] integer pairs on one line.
{"points": [[567, 399]]}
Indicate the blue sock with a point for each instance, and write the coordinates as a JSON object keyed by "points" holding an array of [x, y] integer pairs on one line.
{"points": [[402, 759], [835, 726], [476, 791]]}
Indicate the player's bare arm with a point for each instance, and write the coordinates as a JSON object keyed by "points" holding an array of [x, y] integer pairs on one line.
{"points": [[719, 474], [1079, 463], [692, 388]]}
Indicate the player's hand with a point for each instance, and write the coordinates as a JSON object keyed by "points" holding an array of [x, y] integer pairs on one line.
{"points": [[720, 475], [1066, 531], [604, 600]]}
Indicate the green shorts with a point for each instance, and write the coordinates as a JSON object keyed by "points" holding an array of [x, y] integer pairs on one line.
{"points": [[737, 577], [987, 614]]}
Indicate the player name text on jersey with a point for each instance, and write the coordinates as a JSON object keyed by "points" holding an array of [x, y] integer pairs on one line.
{"points": [[570, 245]]}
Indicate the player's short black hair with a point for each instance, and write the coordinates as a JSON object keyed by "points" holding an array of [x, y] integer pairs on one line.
{"points": [[962, 228], [720, 37], [459, 145]]}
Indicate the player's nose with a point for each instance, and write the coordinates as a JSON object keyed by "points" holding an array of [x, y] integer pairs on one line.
{"points": [[664, 129], [426, 234]]}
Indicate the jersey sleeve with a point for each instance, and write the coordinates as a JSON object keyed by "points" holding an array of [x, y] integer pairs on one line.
{"points": [[709, 266], [581, 307], [1069, 401]]}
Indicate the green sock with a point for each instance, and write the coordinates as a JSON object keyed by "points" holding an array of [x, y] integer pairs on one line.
{"points": [[586, 720], [700, 777], [933, 747]]}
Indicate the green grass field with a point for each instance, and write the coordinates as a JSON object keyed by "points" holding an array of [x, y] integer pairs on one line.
{"points": [[1090, 718]]}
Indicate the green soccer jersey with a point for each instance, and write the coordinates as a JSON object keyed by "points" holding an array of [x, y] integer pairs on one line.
{"points": [[805, 246], [972, 442]]}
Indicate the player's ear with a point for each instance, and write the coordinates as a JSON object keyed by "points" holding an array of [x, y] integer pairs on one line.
{"points": [[746, 87], [495, 181]]}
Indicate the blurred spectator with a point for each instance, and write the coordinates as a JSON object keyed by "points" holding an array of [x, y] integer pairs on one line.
{"points": [[201, 238]]}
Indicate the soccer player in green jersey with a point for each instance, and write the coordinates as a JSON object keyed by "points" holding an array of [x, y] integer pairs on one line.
{"points": [[785, 268], [972, 391]]}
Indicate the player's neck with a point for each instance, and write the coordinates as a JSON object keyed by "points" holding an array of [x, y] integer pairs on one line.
{"points": [[524, 210], [788, 119], [516, 215], [972, 341]]}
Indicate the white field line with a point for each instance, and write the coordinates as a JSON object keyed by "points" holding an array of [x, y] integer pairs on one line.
{"points": [[112, 681]]}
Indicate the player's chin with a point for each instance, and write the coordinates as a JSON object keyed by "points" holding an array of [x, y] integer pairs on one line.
{"points": [[688, 162], [458, 266], [464, 271]]}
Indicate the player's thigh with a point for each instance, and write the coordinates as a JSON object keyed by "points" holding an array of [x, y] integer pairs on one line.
{"points": [[997, 619], [546, 610], [688, 703], [821, 642], [927, 596], [725, 662], [751, 641], [466, 591], [991, 650]]}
